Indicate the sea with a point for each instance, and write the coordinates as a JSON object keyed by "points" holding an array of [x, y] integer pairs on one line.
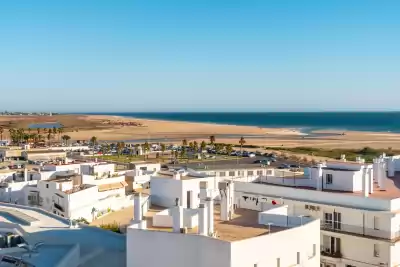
{"points": [[306, 122]]}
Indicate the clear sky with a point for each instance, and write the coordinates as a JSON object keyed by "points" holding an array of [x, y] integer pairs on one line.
{"points": [[199, 55]]}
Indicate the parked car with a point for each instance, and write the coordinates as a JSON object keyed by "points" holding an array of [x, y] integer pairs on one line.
{"points": [[284, 166], [251, 155]]}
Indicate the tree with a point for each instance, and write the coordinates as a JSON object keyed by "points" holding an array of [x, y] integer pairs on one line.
{"points": [[242, 142], [191, 146], [176, 153], [182, 153], [163, 148], [93, 140], [38, 131], [49, 137], [1, 133], [217, 148], [60, 131], [66, 138], [229, 149], [55, 130], [196, 146], [203, 145], [212, 139], [120, 146], [146, 148], [184, 142]]}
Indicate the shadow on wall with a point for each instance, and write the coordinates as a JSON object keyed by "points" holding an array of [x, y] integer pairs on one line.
{"points": [[91, 242]]}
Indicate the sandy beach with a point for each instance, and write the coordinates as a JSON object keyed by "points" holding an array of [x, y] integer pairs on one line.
{"points": [[113, 128]]}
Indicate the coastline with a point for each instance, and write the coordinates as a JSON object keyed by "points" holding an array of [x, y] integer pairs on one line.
{"points": [[114, 128]]}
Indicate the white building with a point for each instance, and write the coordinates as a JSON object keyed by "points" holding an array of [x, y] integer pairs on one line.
{"points": [[78, 196], [357, 204], [220, 236]]}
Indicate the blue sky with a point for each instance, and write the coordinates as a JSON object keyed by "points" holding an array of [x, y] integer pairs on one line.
{"points": [[200, 55]]}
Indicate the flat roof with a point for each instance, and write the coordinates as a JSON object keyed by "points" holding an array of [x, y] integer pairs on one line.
{"points": [[44, 151], [78, 188], [244, 224], [392, 189], [112, 186], [49, 255]]}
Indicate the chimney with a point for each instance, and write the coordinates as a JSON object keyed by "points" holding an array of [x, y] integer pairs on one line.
{"points": [[25, 174], [371, 180], [137, 206], [203, 191], [319, 177], [177, 217], [192, 200], [382, 175], [177, 175], [224, 191], [375, 167], [210, 217], [365, 181], [390, 166], [202, 219]]}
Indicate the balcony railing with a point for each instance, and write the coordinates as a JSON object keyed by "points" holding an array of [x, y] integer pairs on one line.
{"points": [[325, 251], [58, 207], [360, 230]]}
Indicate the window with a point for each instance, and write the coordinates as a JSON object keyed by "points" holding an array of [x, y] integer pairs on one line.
{"points": [[376, 250], [250, 173], [314, 249], [241, 173], [376, 223], [269, 172], [47, 185], [259, 172], [331, 245], [298, 257], [222, 174], [232, 173], [329, 178], [278, 262]]}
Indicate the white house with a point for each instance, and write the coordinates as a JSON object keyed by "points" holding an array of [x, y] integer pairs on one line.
{"points": [[219, 236], [78, 196], [357, 204]]}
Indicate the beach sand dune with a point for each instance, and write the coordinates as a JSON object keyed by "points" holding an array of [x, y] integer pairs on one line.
{"points": [[115, 128]]}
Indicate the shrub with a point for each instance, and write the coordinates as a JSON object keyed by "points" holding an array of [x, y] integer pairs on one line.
{"points": [[82, 220], [114, 227]]}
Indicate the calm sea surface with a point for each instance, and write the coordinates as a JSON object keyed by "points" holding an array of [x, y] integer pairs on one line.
{"points": [[306, 121]]}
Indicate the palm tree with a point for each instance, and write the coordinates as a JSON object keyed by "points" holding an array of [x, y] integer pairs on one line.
{"points": [[146, 148], [176, 153], [66, 138], [217, 148], [182, 153], [203, 145], [60, 131], [38, 130], [212, 139], [196, 146], [120, 146], [229, 149], [242, 142], [184, 142], [163, 148], [55, 130], [20, 133], [191, 146], [1, 133], [49, 137], [93, 140]]}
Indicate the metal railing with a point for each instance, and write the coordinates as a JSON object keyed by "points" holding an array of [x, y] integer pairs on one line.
{"points": [[359, 230], [326, 251]]}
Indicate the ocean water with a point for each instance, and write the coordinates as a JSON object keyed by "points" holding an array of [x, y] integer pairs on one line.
{"points": [[305, 121]]}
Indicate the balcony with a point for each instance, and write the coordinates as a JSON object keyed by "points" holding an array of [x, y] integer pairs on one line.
{"points": [[329, 253], [57, 206], [361, 231]]}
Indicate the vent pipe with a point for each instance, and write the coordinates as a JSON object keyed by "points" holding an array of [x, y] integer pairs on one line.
{"points": [[365, 181], [319, 177], [137, 207]]}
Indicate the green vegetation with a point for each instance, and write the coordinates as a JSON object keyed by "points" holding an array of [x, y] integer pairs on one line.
{"points": [[111, 227], [117, 158], [366, 153], [82, 220]]}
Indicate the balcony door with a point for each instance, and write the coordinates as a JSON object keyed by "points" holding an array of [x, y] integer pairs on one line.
{"points": [[331, 245], [333, 220]]}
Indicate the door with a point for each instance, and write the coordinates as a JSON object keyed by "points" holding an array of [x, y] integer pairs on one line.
{"points": [[337, 220], [376, 223], [328, 220]]}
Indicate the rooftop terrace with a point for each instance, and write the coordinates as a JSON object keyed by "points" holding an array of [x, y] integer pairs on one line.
{"points": [[392, 188], [244, 225]]}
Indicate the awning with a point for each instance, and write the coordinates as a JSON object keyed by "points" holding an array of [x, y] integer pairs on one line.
{"points": [[113, 186]]}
